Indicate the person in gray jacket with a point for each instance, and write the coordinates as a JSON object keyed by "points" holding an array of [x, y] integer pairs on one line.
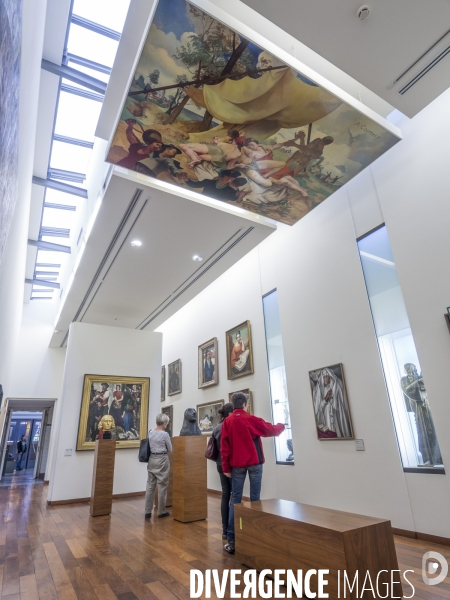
{"points": [[158, 467], [225, 482]]}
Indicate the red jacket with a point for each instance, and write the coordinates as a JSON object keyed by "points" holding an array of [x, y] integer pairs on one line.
{"points": [[240, 443]]}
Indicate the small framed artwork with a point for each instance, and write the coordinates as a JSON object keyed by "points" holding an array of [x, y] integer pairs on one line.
{"points": [[163, 383], [125, 399], [330, 403], [249, 395], [208, 365], [208, 415], [239, 351], [174, 377], [168, 410]]}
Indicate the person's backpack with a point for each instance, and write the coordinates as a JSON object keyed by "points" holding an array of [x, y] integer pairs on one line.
{"points": [[212, 451]]}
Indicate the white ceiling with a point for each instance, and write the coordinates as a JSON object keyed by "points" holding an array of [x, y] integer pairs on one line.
{"points": [[122, 286], [376, 51]]}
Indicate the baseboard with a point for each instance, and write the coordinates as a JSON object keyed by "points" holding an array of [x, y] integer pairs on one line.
{"points": [[219, 493], [404, 532], [81, 500]]}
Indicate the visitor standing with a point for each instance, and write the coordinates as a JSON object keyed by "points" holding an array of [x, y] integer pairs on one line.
{"points": [[21, 450], [225, 481], [158, 467]]}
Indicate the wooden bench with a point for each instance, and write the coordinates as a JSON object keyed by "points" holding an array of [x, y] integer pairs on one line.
{"points": [[279, 534]]}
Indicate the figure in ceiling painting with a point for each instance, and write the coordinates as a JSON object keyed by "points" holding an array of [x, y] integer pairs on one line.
{"points": [[211, 111]]}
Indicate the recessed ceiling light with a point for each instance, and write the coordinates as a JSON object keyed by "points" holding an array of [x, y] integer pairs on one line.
{"points": [[363, 13], [197, 258], [136, 243]]}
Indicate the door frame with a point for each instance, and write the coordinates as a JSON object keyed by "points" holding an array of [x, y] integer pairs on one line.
{"points": [[5, 421]]}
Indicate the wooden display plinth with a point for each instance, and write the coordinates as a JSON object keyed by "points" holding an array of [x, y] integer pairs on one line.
{"points": [[279, 534], [170, 486], [189, 477], [103, 477]]}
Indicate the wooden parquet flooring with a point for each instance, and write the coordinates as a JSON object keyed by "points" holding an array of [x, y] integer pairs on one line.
{"points": [[61, 553]]}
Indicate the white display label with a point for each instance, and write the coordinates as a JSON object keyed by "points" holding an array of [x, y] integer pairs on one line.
{"points": [[68, 452], [359, 444]]}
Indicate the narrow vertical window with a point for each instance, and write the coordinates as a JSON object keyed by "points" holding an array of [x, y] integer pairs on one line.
{"points": [[416, 434], [284, 451]]}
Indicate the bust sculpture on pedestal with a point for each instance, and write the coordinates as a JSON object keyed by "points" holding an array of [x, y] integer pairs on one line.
{"points": [[105, 427], [190, 425]]}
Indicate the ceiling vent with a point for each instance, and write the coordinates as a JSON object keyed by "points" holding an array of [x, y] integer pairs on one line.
{"points": [[424, 70]]}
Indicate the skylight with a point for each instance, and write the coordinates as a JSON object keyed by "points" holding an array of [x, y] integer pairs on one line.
{"points": [[93, 32]]}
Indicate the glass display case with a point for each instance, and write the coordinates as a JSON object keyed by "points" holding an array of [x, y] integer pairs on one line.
{"points": [[284, 452], [416, 434]]}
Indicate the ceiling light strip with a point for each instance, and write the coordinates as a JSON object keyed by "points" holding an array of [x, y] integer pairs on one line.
{"points": [[424, 71], [198, 277]]}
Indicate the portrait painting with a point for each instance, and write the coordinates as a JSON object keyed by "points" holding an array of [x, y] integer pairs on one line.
{"points": [[125, 399], [249, 395], [330, 402], [208, 415], [174, 377], [168, 410], [212, 112], [239, 351], [208, 366], [163, 383]]}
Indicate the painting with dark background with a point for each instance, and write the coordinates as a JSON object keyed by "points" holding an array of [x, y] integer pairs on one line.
{"points": [[10, 46]]}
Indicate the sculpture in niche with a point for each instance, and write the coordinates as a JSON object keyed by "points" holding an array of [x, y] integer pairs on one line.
{"points": [[416, 400], [105, 427], [290, 458], [190, 425]]}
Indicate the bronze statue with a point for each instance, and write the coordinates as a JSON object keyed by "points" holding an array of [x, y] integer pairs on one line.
{"points": [[190, 425], [416, 400], [106, 425]]}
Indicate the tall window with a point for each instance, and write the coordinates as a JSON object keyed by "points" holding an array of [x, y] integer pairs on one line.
{"points": [[416, 434], [277, 379]]}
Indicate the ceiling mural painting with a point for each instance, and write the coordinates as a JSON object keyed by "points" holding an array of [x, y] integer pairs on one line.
{"points": [[211, 112]]}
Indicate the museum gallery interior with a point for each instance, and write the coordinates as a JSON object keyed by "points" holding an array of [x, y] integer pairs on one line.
{"points": [[224, 299]]}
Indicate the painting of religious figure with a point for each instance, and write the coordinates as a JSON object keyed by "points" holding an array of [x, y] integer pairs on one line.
{"points": [[163, 383], [239, 351], [125, 399], [208, 415], [208, 366], [174, 377], [331, 409], [212, 112]]}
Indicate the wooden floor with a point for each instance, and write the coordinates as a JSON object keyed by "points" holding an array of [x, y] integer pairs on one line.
{"points": [[62, 553]]}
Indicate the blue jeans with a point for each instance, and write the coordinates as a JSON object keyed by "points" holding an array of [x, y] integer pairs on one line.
{"points": [[237, 487], [19, 462]]}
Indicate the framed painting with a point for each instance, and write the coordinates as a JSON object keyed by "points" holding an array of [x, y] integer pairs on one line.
{"points": [[124, 398], [174, 377], [168, 410], [163, 383], [249, 395], [208, 365], [239, 351], [213, 110], [330, 403], [208, 415]]}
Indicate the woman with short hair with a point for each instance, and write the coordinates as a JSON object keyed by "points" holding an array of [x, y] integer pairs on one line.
{"points": [[158, 467]]}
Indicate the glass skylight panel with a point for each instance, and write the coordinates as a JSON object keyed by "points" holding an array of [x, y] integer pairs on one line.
{"points": [[77, 117], [87, 43], [109, 13], [70, 157], [57, 197], [52, 217], [92, 72]]}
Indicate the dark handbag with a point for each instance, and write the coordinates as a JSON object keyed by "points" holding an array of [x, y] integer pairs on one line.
{"points": [[212, 451], [144, 450]]}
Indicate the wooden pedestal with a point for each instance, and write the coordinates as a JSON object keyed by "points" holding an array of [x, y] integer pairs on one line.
{"points": [[189, 479], [278, 534], [170, 488], [103, 477]]}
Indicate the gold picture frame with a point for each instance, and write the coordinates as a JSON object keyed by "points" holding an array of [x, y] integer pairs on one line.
{"points": [[124, 398], [208, 416], [168, 410], [330, 404], [249, 395], [208, 375], [239, 351], [174, 378]]}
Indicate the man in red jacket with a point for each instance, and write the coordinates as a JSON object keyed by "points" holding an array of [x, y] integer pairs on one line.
{"points": [[242, 452]]}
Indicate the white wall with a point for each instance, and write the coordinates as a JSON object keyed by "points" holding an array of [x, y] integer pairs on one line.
{"points": [[325, 318], [101, 350]]}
